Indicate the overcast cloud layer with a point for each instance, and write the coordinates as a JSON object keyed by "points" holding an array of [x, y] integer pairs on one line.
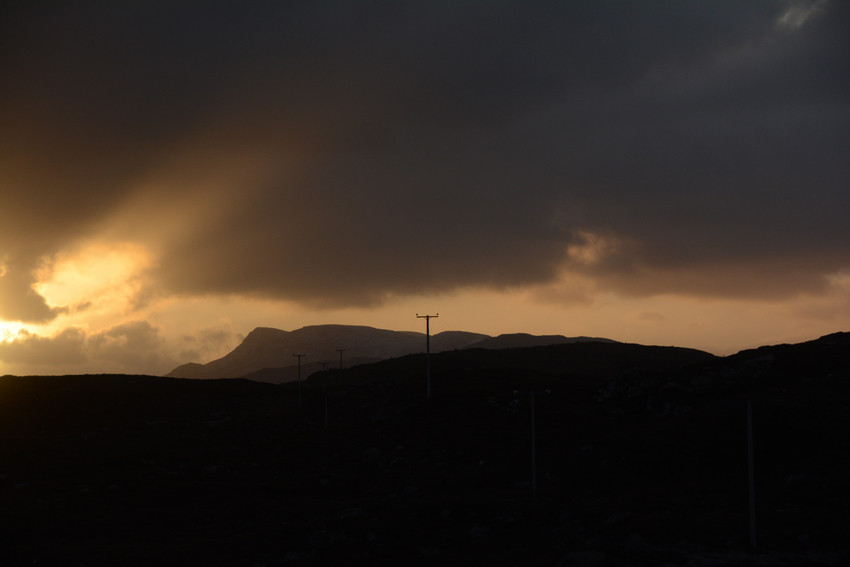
{"points": [[337, 153]]}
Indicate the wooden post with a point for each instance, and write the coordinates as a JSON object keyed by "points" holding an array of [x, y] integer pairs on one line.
{"points": [[533, 452], [751, 476]]}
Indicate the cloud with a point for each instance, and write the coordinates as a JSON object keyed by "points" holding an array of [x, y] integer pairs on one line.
{"points": [[648, 317], [797, 13], [18, 300], [133, 347], [208, 342], [337, 155], [67, 349], [130, 345]]}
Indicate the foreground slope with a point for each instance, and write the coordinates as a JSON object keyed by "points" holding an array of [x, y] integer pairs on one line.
{"points": [[641, 460]]}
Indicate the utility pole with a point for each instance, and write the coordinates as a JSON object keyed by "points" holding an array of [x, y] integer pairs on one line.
{"points": [[751, 475], [340, 351], [324, 389], [533, 451], [533, 440], [427, 351], [299, 377]]}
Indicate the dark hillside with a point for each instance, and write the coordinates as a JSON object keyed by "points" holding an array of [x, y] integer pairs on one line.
{"points": [[641, 460], [522, 340]]}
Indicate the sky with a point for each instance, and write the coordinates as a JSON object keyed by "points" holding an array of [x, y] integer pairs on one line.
{"points": [[174, 174]]}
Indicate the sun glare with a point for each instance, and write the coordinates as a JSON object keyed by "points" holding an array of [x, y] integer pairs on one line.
{"points": [[94, 275], [8, 331]]}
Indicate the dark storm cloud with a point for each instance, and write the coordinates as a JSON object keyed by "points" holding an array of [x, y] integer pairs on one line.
{"points": [[408, 147]]}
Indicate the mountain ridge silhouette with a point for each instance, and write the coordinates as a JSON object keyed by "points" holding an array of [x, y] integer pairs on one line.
{"points": [[266, 353]]}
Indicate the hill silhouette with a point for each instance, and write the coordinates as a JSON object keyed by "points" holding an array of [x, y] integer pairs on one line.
{"points": [[641, 460], [520, 340], [266, 353]]}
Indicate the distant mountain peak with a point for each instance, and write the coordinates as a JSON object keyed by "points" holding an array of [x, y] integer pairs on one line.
{"points": [[263, 332], [267, 348]]}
